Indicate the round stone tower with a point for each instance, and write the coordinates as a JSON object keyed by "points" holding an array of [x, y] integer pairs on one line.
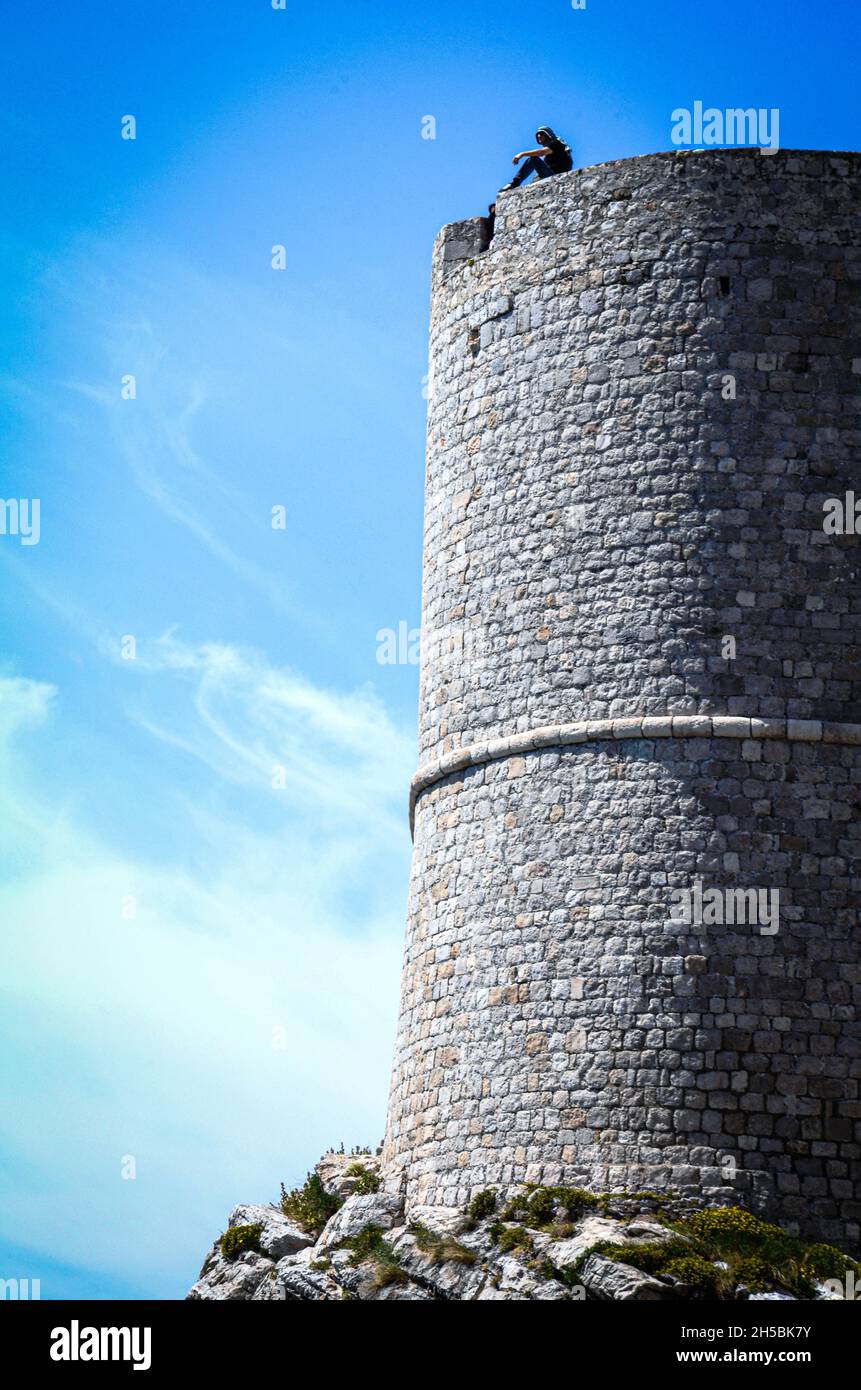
{"points": [[632, 957]]}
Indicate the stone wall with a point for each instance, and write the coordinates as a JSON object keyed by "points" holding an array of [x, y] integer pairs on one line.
{"points": [[640, 669]]}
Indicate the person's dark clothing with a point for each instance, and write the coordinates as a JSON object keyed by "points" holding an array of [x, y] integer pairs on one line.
{"points": [[535, 164], [558, 159]]}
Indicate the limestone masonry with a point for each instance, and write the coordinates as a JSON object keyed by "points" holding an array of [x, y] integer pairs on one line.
{"points": [[640, 674]]}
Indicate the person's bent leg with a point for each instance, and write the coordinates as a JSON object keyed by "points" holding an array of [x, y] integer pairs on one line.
{"points": [[527, 167], [533, 165]]}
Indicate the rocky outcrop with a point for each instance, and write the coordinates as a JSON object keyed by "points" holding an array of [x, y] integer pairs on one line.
{"points": [[224, 1277], [545, 1244], [607, 1279], [377, 1209], [334, 1171], [278, 1236]]}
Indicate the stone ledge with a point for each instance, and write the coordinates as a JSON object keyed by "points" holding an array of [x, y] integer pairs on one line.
{"points": [[630, 727]]}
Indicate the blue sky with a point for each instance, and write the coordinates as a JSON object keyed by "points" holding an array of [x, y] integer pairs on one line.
{"points": [[199, 969]]}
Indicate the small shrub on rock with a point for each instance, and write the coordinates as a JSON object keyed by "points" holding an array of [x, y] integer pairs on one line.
{"points": [[759, 1256], [482, 1205], [651, 1256], [730, 1227], [310, 1206], [699, 1273], [538, 1206], [369, 1245], [367, 1180], [509, 1238], [753, 1274], [238, 1239], [826, 1262]]}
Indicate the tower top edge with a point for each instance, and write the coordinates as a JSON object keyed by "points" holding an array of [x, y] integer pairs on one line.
{"points": [[469, 236]]}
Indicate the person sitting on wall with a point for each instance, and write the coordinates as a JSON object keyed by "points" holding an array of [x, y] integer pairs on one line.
{"points": [[553, 156]]}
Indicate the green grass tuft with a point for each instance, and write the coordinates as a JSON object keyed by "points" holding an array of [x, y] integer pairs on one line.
{"points": [[369, 1245], [441, 1248]]}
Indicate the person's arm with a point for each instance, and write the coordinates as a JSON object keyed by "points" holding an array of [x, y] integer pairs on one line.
{"points": [[531, 154]]}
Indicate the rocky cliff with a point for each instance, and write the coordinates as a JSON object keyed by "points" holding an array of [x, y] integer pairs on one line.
{"points": [[342, 1237]]}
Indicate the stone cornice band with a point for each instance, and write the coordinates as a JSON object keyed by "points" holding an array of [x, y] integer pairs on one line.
{"points": [[637, 727]]}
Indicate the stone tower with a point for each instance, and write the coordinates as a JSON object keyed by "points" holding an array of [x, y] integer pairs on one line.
{"points": [[641, 681]]}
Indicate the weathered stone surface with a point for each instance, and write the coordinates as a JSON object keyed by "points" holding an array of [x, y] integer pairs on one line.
{"points": [[333, 1168], [772, 1297], [399, 1293], [278, 1237], [295, 1283], [445, 1220], [451, 1280], [643, 1229], [568, 1251], [607, 1279], [626, 467], [519, 1282], [231, 1279], [375, 1209]]}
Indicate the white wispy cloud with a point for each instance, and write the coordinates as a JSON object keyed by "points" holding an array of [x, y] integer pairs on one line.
{"points": [[240, 1004], [136, 319], [22, 703], [246, 718], [197, 968]]}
